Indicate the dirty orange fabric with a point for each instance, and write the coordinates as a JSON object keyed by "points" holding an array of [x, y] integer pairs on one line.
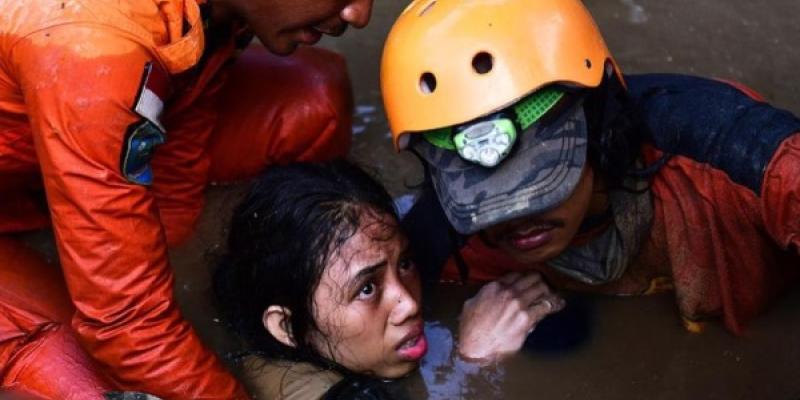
{"points": [[69, 75], [730, 254], [70, 71], [270, 110], [31, 340], [728, 251]]}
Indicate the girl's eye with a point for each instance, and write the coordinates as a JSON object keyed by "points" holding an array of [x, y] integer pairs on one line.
{"points": [[367, 291], [405, 264]]}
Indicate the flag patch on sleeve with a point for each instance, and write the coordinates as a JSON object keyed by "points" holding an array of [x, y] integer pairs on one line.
{"points": [[144, 135], [153, 93]]}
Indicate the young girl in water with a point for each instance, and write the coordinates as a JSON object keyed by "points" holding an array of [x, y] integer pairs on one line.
{"points": [[318, 281]]}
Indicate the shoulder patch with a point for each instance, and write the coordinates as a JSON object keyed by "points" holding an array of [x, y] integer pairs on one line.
{"points": [[153, 93], [137, 150]]}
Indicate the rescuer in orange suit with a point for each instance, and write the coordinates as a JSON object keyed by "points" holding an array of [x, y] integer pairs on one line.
{"points": [[121, 113]]}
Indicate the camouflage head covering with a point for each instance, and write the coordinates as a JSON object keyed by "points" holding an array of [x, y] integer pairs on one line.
{"points": [[540, 173]]}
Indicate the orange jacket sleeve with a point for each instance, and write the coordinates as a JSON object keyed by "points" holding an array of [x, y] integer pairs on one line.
{"points": [[781, 194], [79, 84]]}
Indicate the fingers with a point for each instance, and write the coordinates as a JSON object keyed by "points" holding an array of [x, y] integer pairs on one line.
{"points": [[526, 281], [551, 304], [515, 296], [499, 318], [509, 279], [548, 305], [528, 288]]}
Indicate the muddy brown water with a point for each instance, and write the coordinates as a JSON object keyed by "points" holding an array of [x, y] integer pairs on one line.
{"points": [[623, 348]]}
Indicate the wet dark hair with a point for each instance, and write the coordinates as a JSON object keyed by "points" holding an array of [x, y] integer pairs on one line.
{"points": [[281, 238], [616, 132]]}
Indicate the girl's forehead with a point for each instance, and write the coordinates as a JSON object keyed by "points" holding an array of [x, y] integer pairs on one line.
{"points": [[368, 247], [365, 249]]}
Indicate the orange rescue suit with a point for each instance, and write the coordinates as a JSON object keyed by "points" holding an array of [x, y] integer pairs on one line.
{"points": [[72, 78]]}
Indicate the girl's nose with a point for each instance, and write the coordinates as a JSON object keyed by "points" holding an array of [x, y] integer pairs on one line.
{"points": [[404, 306]]}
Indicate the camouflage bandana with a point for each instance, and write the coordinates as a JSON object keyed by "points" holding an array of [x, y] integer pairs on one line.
{"points": [[539, 174]]}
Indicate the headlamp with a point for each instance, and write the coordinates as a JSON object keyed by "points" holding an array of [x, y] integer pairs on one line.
{"points": [[488, 140]]}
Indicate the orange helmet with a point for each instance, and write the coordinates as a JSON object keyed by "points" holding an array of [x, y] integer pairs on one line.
{"points": [[446, 62]]}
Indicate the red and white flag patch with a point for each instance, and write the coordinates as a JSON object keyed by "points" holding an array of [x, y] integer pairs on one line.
{"points": [[153, 93]]}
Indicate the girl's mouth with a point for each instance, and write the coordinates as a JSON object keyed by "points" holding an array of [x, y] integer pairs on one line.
{"points": [[414, 348]]}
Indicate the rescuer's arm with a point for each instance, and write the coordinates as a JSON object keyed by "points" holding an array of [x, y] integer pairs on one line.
{"points": [[780, 190], [80, 85]]}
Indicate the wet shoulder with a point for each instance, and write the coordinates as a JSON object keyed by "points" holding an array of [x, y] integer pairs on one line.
{"points": [[139, 20], [288, 380], [712, 122]]}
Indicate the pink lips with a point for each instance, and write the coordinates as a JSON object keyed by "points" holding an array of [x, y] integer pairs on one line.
{"points": [[414, 348], [532, 237]]}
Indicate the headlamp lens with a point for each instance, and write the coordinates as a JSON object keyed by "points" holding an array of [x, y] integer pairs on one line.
{"points": [[488, 141]]}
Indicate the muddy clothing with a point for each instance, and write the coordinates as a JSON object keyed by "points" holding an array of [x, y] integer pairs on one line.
{"points": [[121, 113], [281, 380], [725, 225], [288, 380]]}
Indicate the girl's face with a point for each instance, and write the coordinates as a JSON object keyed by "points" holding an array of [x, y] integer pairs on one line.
{"points": [[367, 304]]}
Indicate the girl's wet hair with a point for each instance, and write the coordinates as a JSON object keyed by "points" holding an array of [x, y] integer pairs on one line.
{"points": [[282, 236]]}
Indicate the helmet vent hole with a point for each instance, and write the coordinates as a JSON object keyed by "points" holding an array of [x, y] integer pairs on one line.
{"points": [[427, 83], [427, 8], [482, 63], [588, 63]]}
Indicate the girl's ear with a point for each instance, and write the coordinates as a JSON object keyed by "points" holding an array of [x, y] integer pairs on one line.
{"points": [[277, 321]]}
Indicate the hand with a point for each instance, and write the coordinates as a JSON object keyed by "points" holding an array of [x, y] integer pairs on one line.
{"points": [[498, 319]]}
